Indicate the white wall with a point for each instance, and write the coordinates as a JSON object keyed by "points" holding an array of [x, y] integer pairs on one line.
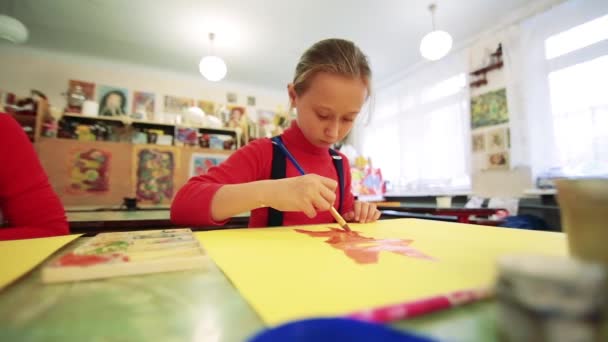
{"points": [[22, 69]]}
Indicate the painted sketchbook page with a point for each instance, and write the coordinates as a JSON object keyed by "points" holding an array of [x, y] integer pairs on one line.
{"points": [[293, 273], [128, 253], [17, 257]]}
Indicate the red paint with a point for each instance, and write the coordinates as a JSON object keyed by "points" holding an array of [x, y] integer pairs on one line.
{"points": [[362, 249], [72, 259]]}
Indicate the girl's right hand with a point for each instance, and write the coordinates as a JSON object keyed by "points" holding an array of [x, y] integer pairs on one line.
{"points": [[307, 194]]}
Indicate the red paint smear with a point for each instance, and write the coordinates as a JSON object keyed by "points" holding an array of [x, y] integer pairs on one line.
{"points": [[362, 249], [72, 259]]}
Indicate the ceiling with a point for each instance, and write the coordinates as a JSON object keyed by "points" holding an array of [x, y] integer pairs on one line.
{"points": [[260, 40]]}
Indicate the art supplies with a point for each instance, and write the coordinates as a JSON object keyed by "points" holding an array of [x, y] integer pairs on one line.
{"points": [[298, 272], [334, 213], [542, 298], [415, 308], [128, 253], [31, 252]]}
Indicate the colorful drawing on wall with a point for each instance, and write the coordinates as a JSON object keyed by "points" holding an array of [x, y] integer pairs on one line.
{"points": [[177, 105], [489, 109], [200, 163], [112, 100], [89, 171], [362, 249], [143, 105], [88, 88], [497, 139], [479, 142], [498, 160], [207, 106], [231, 97], [154, 172]]}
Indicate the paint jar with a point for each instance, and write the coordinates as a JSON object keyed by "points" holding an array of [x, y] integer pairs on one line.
{"points": [[444, 201], [584, 212], [551, 299]]}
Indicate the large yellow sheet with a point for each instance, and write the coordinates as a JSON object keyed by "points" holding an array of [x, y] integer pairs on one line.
{"points": [[287, 275], [17, 257]]}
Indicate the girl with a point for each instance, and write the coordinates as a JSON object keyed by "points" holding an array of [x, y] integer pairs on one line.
{"points": [[331, 84], [29, 208]]}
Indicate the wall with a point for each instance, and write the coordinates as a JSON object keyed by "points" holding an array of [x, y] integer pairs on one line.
{"points": [[25, 68], [512, 181]]}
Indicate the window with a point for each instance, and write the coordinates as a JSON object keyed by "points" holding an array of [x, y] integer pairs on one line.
{"points": [[565, 77], [419, 129]]}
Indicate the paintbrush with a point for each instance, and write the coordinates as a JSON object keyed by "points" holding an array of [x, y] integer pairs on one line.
{"points": [[341, 221]]}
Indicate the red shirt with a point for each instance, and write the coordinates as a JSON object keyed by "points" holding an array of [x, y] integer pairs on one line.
{"points": [[28, 204], [192, 204]]}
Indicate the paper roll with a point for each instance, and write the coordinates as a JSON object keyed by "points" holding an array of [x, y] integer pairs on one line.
{"points": [[90, 108]]}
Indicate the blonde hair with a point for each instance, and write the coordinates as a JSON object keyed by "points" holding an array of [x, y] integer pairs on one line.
{"points": [[335, 56]]}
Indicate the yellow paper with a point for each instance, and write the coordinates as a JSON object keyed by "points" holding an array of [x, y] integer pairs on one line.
{"points": [[287, 275], [17, 257]]}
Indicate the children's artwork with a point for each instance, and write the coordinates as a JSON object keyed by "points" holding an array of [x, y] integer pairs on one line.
{"points": [[87, 88], [31, 253], [200, 163], [489, 109], [497, 139], [366, 180], [112, 100], [291, 275], [89, 171], [154, 172], [186, 135], [498, 160], [231, 97], [177, 105], [479, 142], [365, 250], [251, 100], [143, 105], [207, 106], [127, 253], [78, 92]]}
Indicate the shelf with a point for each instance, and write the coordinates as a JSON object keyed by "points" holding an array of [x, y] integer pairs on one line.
{"points": [[479, 83], [95, 118], [128, 121], [487, 69]]}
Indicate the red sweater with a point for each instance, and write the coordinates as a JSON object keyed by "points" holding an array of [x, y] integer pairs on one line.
{"points": [[28, 205], [192, 204]]}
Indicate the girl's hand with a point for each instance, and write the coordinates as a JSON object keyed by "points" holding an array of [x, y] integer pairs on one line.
{"points": [[363, 212], [307, 194]]}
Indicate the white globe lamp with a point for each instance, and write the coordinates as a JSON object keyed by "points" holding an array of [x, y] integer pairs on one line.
{"points": [[435, 44]]}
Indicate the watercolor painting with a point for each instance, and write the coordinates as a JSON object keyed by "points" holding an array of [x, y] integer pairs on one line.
{"points": [[143, 105], [154, 173], [497, 139], [89, 171], [365, 250], [498, 160], [207, 106], [489, 109], [200, 163], [80, 87], [251, 100], [479, 142], [112, 100], [177, 105]]}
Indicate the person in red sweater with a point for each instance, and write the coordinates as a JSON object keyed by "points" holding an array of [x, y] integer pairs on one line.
{"points": [[331, 85], [28, 206]]}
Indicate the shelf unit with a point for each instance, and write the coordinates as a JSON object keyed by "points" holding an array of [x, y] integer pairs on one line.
{"points": [[168, 128], [480, 73]]}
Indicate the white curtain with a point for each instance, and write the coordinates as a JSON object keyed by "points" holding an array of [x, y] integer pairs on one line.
{"points": [[418, 128], [564, 73]]}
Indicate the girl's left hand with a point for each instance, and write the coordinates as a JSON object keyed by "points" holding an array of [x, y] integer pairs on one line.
{"points": [[364, 212]]}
